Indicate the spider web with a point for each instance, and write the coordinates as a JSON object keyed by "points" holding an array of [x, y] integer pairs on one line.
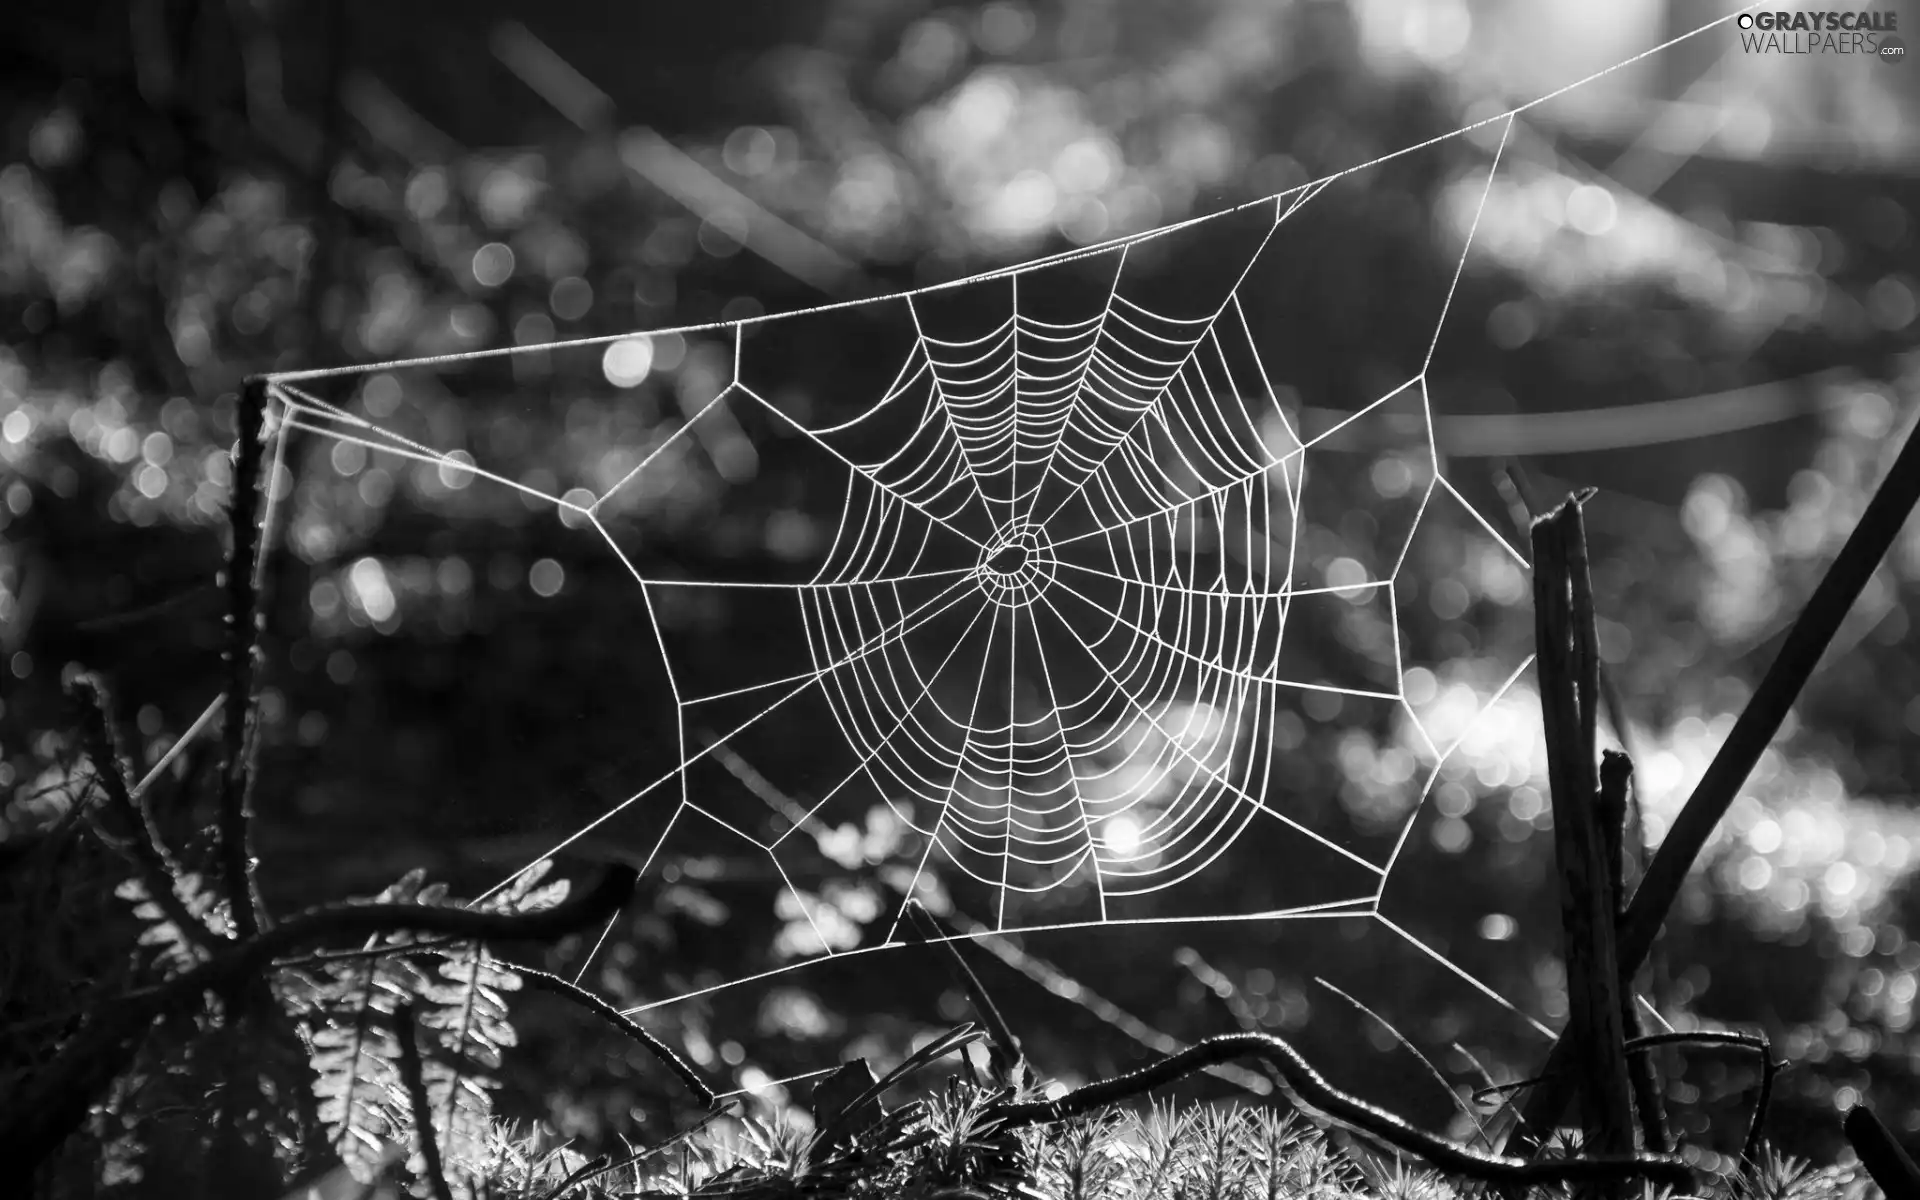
{"points": [[1068, 605]]}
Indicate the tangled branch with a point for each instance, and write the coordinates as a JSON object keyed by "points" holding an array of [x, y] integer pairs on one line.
{"points": [[43, 1113], [1307, 1089], [1639, 1046]]}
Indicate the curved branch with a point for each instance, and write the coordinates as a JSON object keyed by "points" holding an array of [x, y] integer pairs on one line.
{"points": [[1756, 1042], [358, 921], [42, 1114], [606, 1012], [1307, 1089]]}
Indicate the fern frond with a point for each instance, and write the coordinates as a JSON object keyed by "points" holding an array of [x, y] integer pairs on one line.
{"points": [[355, 1060], [175, 951], [346, 1008], [528, 892], [464, 1011]]}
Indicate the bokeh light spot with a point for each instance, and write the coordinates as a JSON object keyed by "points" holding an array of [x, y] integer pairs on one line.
{"points": [[151, 480], [750, 150], [626, 362], [546, 577], [1005, 27], [371, 589], [575, 501], [571, 298], [1419, 686], [456, 470], [1591, 210], [348, 458], [1345, 576], [1121, 835], [493, 264]]}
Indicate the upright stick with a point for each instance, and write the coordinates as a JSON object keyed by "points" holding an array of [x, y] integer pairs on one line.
{"points": [[1616, 778], [1891, 1166], [1759, 721], [1569, 702], [243, 627]]}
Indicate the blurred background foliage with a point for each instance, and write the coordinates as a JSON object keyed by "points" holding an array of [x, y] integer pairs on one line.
{"points": [[1694, 284]]}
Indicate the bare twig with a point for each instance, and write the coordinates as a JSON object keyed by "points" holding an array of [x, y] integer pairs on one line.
{"points": [[1491, 1089], [613, 1016], [1006, 1051], [1763, 1053], [1640, 1046], [187, 743], [1459, 1102], [413, 1075], [1885, 514], [243, 629], [1307, 1089]]}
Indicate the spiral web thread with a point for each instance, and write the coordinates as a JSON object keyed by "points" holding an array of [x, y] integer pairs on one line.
{"points": [[1124, 466]]}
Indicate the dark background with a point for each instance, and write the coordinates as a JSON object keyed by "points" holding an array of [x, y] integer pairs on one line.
{"points": [[1693, 286]]}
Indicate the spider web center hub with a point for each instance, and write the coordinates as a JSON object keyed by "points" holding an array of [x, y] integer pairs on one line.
{"points": [[1016, 566]]}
